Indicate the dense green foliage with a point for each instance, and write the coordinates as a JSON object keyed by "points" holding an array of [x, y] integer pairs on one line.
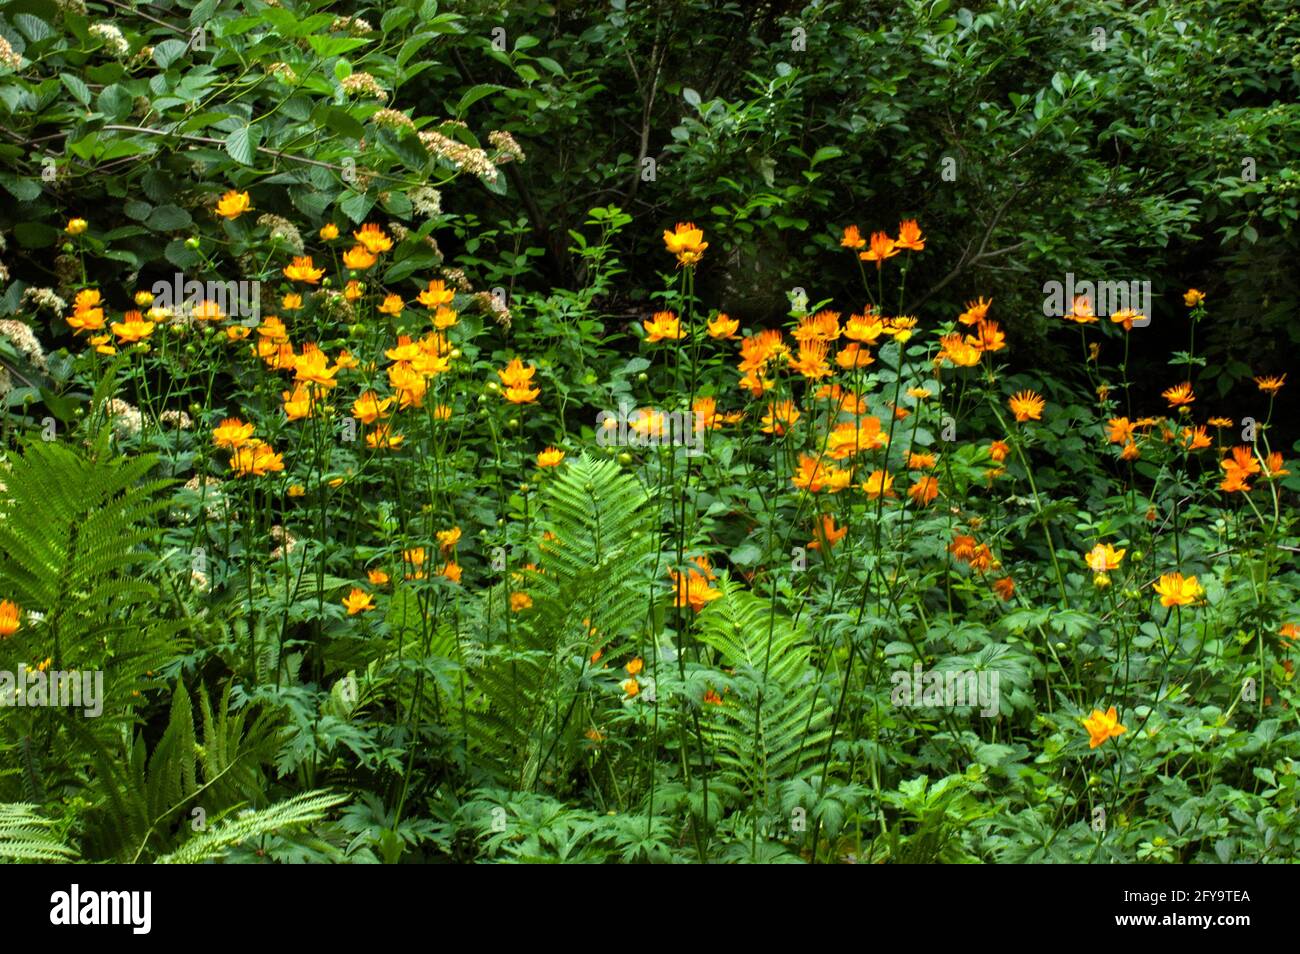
{"points": [[390, 622]]}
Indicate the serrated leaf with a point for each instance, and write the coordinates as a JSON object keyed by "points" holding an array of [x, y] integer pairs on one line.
{"points": [[242, 144]]}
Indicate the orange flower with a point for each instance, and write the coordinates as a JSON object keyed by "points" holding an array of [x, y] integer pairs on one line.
{"points": [[329, 231], [922, 461], [1271, 385], [369, 408], [878, 484], [816, 476], [975, 311], [864, 328], [132, 328], [518, 380], [779, 417], [812, 360], [256, 459], [1195, 438], [520, 601], [291, 301], [1103, 558], [1239, 468], [630, 687], [1027, 406], [1273, 466], [827, 531], [9, 616], [853, 355], [1102, 726], [233, 204], [998, 450], [76, 226], [882, 247], [232, 433], [852, 238], [1192, 297], [313, 367], [447, 539], [301, 270], [550, 457], [960, 353], [1177, 590], [909, 236], [359, 258], [436, 295], [383, 438], [452, 571], [1005, 588], [1180, 395], [392, 305], [297, 403], [358, 601], [693, 588], [373, 238], [1125, 317], [664, 327], [723, 327], [635, 666], [712, 698], [686, 242], [1081, 311], [924, 490], [988, 337], [377, 577], [1119, 430]]}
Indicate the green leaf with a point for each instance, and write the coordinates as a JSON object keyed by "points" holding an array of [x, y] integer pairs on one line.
{"points": [[169, 218], [168, 52], [242, 144], [474, 94], [77, 87]]}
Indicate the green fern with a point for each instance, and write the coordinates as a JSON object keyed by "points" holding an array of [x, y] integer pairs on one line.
{"points": [[74, 533], [775, 723], [25, 835], [591, 591], [305, 808]]}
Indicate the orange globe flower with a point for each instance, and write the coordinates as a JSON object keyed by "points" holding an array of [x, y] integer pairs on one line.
{"points": [[233, 204], [550, 457], [882, 247], [665, 326], [1180, 395], [910, 237], [852, 238], [358, 601], [9, 618], [686, 242], [359, 258], [373, 238], [1178, 590], [301, 270], [1102, 726], [1027, 406]]}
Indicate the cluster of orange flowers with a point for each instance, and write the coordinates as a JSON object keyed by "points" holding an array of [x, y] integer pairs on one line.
{"points": [[881, 247], [979, 557], [249, 456]]}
